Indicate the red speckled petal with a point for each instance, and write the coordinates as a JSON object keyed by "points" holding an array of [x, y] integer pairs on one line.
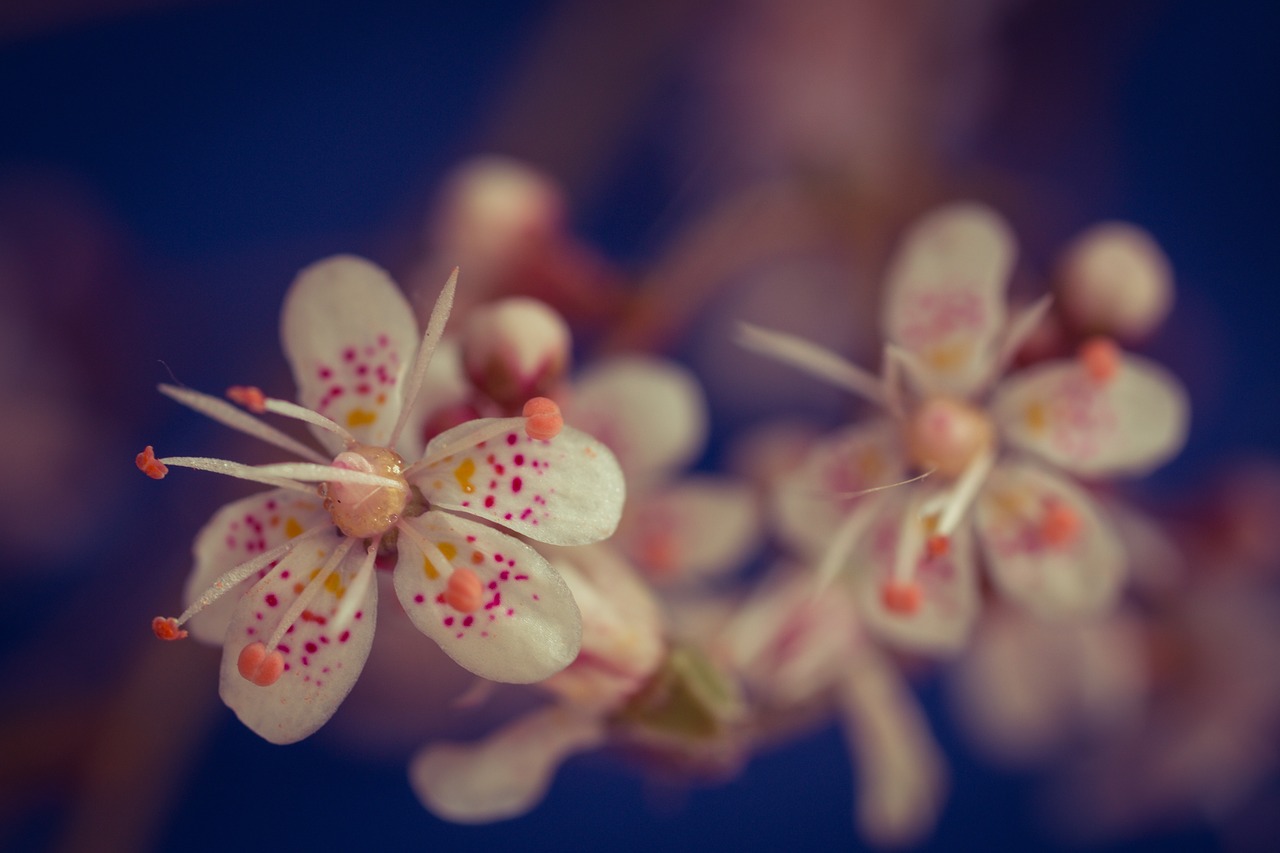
{"points": [[527, 626], [949, 585], [322, 659], [566, 491], [1076, 572], [1127, 424], [350, 337], [507, 774], [945, 294], [240, 531]]}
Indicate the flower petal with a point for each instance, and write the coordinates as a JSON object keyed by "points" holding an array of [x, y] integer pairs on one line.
{"points": [[948, 605], [526, 626], [1128, 423], [902, 780], [812, 502], [650, 412], [566, 491], [945, 295], [322, 659], [506, 775], [238, 532], [1045, 545], [350, 337], [694, 528]]}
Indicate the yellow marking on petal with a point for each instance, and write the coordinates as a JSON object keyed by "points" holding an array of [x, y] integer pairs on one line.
{"points": [[292, 528], [361, 417], [382, 398], [333, 583], [429, 569], [947, 357], [870, 466], [463, 473], [437, 484], [448, 549], [1035, 416]]}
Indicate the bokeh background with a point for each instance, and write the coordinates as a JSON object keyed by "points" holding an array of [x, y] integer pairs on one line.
{"points": [[167, 166]]}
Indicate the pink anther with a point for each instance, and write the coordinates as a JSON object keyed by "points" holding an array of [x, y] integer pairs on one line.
{"points": [[543, 420], [901, 597], [937, 545], [258, 665], [1101, 359], [1059, 525], [151, 466], [249, 396], [465, 592], [166, 628]]}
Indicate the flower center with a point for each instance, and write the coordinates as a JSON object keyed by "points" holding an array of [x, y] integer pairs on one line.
{"points": [[362, 511], [946, 434]]}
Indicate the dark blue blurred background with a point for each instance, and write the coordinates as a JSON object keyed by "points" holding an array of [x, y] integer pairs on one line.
{"points": [[230, 143]]}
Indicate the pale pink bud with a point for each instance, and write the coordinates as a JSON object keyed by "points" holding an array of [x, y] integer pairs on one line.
{"points": [[1115, 280], [515, 349]]}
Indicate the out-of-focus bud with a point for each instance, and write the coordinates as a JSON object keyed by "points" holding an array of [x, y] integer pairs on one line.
{"points": [[515, 349], [1115, 280]]}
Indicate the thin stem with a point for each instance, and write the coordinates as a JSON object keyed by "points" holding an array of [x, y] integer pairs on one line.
{"points": [[430, 338], [813, 359]]}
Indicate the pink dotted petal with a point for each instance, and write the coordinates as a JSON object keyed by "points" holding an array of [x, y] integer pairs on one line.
{"points": [[527, 626]]}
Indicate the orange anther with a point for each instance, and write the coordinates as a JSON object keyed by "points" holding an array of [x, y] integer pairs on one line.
{"points": [[901, 597], [166, 628], [249, 396], [258, 665], [937, 545], [543, 420], [464, 592], [1059, 524], [151, 466], [1101, 358]]}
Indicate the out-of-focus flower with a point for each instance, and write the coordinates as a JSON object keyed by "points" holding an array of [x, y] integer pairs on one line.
{"points": [[1115, 280], [983, 444], [295, 642], [515, 349]]}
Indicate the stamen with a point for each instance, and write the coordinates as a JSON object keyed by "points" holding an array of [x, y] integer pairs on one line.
{"points": [[258, 665], [1059, 525], [965, 490], [151, 466], [228, 415], [354, 596], [231, 579], [1101, 359], [301, 413], [249, 396], [313, 587], [237, 470], [812, 359], [1020, 329], [836, 557], [430, 338], [543, 420], [481, 430], [306, 472], [166, 628], [901, 597], [464, 592]]}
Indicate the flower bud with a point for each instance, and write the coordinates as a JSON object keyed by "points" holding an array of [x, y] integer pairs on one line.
{"points": [[515, 349], [1115, 280]]}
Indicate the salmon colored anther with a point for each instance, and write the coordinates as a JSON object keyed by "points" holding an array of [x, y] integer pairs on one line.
{"points": [[543, 420], [464, 592], [1101, 359], [901, 597], [151, 466], [166, 628], [258, 665], [248, 396], [1059, 524], [937, 545]]}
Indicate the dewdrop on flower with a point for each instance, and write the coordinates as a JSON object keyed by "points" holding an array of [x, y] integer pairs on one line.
{"points": [[294, 640]]}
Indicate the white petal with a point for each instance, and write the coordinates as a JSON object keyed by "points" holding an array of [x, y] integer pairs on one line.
{"points": [[1127, 424], [650, 412], [566, 491], [350, 337], [506, 775], [527, 626], [1045, 545], [322, 659], [946, 294], [902, 780], [238, 532]]}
